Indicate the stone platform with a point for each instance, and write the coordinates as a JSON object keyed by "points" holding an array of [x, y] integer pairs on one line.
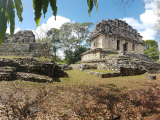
{"points": [[124, 65], [30, 69]]}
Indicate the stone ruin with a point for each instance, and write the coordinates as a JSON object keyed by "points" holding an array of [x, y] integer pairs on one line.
{"points": [[117, 47], [30, 69], [27, 65], [23, 44], [113, 35]]}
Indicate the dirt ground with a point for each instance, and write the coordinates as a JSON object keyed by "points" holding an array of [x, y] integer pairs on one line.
{"points": [[82, 96]]}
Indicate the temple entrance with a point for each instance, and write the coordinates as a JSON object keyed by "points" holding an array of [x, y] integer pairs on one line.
{"points": [[125, 47], [133, 46], [118, 45]]}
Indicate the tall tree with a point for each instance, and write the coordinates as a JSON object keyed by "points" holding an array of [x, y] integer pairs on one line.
{"points": [[73, 34], [55, 43], [72, 57], [151, 49]]}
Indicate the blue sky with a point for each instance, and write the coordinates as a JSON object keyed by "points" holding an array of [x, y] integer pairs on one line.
{"points": [[140, 15]]}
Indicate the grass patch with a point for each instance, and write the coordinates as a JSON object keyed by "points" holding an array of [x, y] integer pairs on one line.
{"points": [[100, 71], [83, 96], [12, 57]]}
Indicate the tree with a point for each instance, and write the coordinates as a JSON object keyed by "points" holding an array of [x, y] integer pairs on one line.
{"points": [[7, 12], [151, 49], [88, 44], [72, 57], [68, 37], [73, 34], [55, 43]]}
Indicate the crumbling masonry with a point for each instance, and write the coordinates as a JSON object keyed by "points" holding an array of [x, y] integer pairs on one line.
{"points": [[117, 47], [23, 44]]}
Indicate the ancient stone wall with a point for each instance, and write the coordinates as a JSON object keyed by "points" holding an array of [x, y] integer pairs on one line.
{"points": [[25, 36], [125, 66], [31, 65], [130, 60], [98, 42], [23, 44], [30, 49], [107, 33], [96, 54]]}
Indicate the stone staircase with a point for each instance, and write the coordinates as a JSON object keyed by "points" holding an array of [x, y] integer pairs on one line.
{"points": [[7, 73], [112, 62], [33, 77]]}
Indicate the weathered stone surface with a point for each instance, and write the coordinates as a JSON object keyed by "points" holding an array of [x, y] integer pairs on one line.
{"points": [[23, 44], [33, 77], [83, 66], [151, 77], [124, 65], [34, 110], [27, 68], [64, 66], [115, 36], [7, 73]]}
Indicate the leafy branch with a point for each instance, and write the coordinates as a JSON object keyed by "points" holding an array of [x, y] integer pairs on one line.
{"points": [[7, 12]]}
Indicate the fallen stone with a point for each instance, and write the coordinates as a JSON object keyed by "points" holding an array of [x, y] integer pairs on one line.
{"points": [[34, 110], [151, 77], [116, 117]]}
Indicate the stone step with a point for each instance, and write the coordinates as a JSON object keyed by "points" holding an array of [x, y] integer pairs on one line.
{"points": [[7, 73], [118, 56], [5, 76], [33, 77]]}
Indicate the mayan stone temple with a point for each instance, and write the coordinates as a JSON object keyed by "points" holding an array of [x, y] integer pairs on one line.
{"points": [[117, 47], [113, 35], [23, 44], [22, 58]]}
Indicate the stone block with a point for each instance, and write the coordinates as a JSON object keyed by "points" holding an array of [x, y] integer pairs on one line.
{"points": [[151, 77]]}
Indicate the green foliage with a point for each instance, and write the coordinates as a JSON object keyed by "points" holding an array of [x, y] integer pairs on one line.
{"points": [[11, 16], [7, 12], [40, 5], [88, 43], [37, 5], [91, 4], [151, 49], [72, 57], [59, 60], [54, 7], [55, 43], [73, 34], [45, 6], [3, 19], [19, 9]]}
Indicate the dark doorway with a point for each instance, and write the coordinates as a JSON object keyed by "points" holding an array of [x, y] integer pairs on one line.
{"points": [[125, 47], [133, 47], [118, 45]]}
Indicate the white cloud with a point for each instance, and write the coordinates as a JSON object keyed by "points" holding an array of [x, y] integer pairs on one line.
{"points": [[51, 23], [147, 21], [150, 5], [148, 34], [16, 30]]}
